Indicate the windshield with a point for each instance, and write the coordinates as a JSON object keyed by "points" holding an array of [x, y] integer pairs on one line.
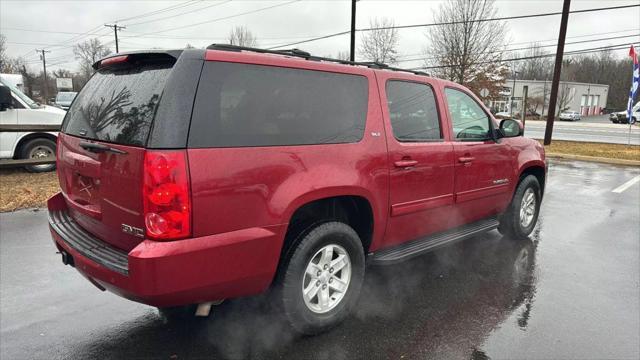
{"points": [[30, 103], [65, 96]]}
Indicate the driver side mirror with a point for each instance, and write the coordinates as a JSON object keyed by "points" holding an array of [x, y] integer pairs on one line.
{"points": [[511, 128], [6, 100]]}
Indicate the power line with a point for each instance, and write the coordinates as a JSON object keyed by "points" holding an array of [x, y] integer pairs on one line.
{"points": [[159, 11], [180, 14], [574, 52], [539, 42], [224, 18], [169, 37], [528, 48], [516, 17], [456, 22], [43, 31], [576, 36], [312, 39]]}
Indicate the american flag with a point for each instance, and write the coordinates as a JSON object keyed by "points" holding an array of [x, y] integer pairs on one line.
{"points": [[634, 84]]}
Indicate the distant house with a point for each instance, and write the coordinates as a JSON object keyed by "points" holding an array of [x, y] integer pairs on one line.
{"points": [[588, 99]]}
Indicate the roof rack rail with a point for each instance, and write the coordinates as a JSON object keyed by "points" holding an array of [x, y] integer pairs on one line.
{"points": [[307, 56]]}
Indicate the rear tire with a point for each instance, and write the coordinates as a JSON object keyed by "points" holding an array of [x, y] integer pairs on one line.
{"points": [[321, 280], [521, 216], [38, 148]]}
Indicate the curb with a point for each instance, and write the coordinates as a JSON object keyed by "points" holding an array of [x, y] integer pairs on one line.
{"points": [[594, 159]]}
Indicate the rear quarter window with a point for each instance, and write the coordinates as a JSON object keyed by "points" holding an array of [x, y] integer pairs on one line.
{"points": [[118, 106], [254, 105]]}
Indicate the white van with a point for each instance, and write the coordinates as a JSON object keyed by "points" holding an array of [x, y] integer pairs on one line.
{"points": [[17, 108]]}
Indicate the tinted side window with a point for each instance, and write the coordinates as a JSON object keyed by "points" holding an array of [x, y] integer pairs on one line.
{"points": [[413, 111], [468, 118], [255, 105]]}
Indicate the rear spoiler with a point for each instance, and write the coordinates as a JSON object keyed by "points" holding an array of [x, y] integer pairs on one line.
{"points": [[136, 57]]}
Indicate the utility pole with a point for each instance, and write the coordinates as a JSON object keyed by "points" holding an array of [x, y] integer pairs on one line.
{"points": [[352, 49], [551, 113], [115, 32], [45, 88]]}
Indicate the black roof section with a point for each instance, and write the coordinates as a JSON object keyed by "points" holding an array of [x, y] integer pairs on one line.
{"points": [[307, 56]]}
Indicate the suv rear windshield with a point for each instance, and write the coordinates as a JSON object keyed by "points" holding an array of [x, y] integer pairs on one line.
{"points": [[118, 106], [256, 105]]}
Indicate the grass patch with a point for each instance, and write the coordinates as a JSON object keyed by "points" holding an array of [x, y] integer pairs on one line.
{"points": [[21, 189], [611, 151]]}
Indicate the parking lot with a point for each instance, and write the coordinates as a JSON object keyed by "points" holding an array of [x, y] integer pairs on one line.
{"points": [[571, 291]]}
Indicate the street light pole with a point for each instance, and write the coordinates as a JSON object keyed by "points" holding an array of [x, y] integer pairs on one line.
{"points": [[352, 48], [513, 92]]}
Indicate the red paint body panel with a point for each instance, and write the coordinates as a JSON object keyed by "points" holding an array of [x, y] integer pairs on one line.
{"points": [[102, 190], [236, 188], [421, 196], [484, 172], [242, 199], [187, 271]]}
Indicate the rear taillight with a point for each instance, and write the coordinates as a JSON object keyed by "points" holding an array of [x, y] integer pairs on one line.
{"points": [[167, 201]]}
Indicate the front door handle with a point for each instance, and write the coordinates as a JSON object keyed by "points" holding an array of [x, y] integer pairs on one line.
{"points": [[466, 159], [405, 163]]}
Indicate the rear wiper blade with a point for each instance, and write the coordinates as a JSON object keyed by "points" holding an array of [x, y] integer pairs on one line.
{"points": [[98, 148]]}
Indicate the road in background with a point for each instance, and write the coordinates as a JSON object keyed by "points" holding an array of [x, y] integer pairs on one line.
{"points": [[585, 131], [571, 291], [599, 119]]}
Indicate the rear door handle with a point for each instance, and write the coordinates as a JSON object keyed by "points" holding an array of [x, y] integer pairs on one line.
{"points": [[466, 159], [405, 163]]}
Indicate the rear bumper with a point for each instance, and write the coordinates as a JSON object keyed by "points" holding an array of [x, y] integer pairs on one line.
{"points": [[188, 271]]}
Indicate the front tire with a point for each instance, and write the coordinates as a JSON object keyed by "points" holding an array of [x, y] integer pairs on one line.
{"points": [[521, 216], [39, 148], [322, 278]]}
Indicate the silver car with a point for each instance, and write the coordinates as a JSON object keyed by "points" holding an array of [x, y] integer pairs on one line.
{"points": [[570, 116]]}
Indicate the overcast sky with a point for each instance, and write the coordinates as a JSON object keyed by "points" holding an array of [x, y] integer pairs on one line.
{"points": [[57, 25]]}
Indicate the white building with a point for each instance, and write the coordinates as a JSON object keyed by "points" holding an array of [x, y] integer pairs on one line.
{"points": [[588, 99]]}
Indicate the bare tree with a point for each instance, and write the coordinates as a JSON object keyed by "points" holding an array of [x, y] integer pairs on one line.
{"points": [[343, 55], [535, 102], [62, 73], [9, 64], [467, 47], [537, 66], [88, 53], [3, 51], [242, 36], [565, 96], [380, 45], [12, 65]]}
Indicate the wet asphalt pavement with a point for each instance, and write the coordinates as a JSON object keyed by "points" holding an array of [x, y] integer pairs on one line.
{"points": [[571, 291]]}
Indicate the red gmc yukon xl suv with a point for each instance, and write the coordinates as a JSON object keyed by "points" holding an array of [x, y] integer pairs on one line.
{"points": [[192, 176]]}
